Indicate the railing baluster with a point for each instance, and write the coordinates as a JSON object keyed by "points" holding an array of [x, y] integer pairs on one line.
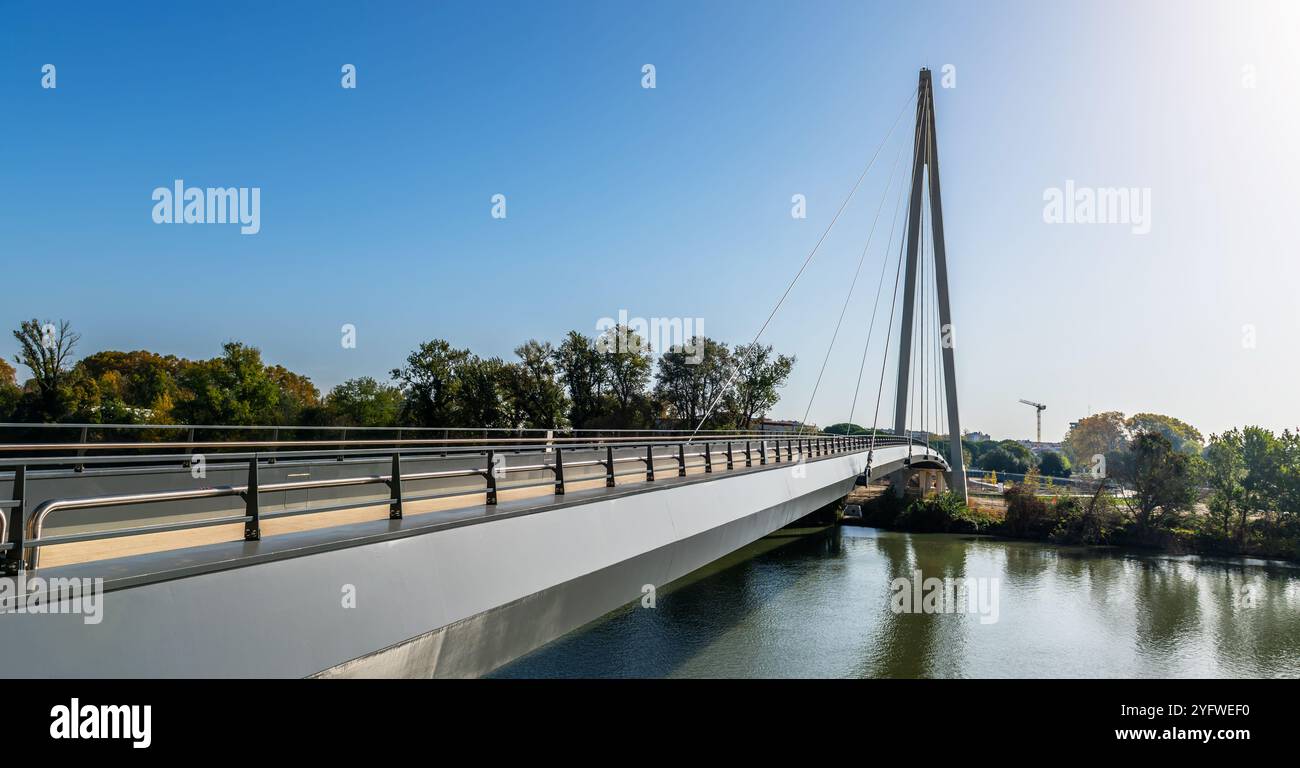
{"points": [[16, 557], [395, 489], [650, 463], [609, 466], [491, 477], [749, 458], [708, 459], [559, 471], [730, 463], [762, 452], [681, 460], [252, 526]]}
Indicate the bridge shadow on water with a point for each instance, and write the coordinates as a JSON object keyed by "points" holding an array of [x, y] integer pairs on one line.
{"points": [[689, 615]]}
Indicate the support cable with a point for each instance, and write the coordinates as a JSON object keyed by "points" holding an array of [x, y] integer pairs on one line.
{"points": [[731, 380], [884, 195]]}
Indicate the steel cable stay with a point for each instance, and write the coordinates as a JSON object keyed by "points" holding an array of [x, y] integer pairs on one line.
{"points": [[884, 195], [880, 285], [732, 378]]}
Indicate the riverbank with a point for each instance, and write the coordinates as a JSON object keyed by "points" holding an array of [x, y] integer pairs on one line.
{"points": [[1023, 512]]}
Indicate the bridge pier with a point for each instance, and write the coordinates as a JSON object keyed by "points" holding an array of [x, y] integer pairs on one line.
{"points": [[930, 481]]}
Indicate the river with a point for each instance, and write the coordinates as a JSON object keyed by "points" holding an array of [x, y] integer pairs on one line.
{"points": [[822, 603]]}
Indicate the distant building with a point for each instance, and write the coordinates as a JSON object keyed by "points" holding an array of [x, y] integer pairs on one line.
{"points": [[978, 437], [1037, 447], [781, 426]]}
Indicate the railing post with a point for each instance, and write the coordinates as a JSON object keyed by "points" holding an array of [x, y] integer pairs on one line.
{"points": [[681, 460], [789, 450], [395, 489], [15, 558], [559, 471], [708, 459], [730, 463], [762, 452], [609, 466], [491, 477], [252, 526], [650, 463], [776, 452], [749, 457]]}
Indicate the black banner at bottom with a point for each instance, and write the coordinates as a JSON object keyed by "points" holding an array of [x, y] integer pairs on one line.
{"points": [[240, 718]]}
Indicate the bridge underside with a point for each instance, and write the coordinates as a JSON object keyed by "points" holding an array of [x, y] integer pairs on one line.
{"points": [[440, 594]]}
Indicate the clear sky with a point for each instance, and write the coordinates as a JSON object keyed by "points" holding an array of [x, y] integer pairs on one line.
{"points": [[671, 202]]}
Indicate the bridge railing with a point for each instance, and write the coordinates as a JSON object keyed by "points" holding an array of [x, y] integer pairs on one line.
{"points": [[22, 526]]}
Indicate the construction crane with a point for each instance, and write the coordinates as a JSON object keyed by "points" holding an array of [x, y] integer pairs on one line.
{"points": [[1038, 411]]}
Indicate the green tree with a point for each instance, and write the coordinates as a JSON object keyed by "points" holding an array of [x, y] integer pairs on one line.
{"points": [[428, 382], [1183, 436], [234, 388], [1053, 464], [364, 402], [688, 388], [47, 350], [141, 379], [296, 397], [1100, 434], [998, 459], [10, 392], [536, 399], [1162, 481], [846, 428], [581, 368], [1225, 474], [757, 377], [480, 388], [627, 361]]}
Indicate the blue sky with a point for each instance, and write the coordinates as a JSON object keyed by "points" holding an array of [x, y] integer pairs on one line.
{"points": [[672, 202]]}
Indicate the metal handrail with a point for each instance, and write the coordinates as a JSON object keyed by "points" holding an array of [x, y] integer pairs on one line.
{"points": [[447, 442], [25, 539], [327, 428]]}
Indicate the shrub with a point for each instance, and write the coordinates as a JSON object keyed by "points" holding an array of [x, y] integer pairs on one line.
{"points": [[883, 511], [1080, 520], [944, 513], [1027, 515]]}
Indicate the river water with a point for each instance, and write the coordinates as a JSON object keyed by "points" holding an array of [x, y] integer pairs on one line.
{"points": [[804, 603]]}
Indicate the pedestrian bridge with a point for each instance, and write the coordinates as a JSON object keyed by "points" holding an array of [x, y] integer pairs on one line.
{"points": [[447, 557], [411, 558]]}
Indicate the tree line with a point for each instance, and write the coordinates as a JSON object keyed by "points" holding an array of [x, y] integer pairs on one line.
{"points": [[610, 381], [1236, 493]]}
